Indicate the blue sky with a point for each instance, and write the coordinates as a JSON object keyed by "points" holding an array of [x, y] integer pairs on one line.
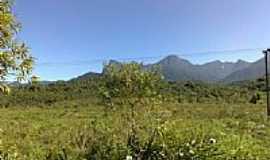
{"points": [[63, 33]]}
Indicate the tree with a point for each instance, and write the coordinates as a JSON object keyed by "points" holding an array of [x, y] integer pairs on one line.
{"points": [[15, 59], [129, 85]]}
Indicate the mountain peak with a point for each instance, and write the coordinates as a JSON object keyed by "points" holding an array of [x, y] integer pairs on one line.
{"points": [[173, 56], [175, 68], [174, 60], [217, 62], [113, 62], [241, 61]]}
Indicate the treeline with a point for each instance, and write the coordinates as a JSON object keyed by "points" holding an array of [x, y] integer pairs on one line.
{"points": [[89, 90]]}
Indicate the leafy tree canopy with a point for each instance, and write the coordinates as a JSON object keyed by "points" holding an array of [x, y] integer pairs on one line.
{"points": [[15, 59], [130, 84]]}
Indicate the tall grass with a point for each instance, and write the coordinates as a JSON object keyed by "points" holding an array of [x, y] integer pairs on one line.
{"points": [[171, 131]]}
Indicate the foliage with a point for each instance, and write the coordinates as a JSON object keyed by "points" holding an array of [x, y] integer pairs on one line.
{"points": [[189, 131], [15, 60], [38, 94], [130, 84], [193, 120], [170, 120]]}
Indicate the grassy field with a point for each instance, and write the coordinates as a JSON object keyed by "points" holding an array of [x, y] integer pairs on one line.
{"points": [[171, 131]]}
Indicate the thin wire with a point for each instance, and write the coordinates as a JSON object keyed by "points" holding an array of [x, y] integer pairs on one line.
{"points": [[226, 51], [95, 61]]}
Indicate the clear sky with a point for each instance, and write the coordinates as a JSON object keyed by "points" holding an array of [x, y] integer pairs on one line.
{"points": [[68, 32]]}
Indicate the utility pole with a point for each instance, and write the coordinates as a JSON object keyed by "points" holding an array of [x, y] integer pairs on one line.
{"points": [[266, 56]]}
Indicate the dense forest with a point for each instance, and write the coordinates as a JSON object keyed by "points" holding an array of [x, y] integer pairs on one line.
{"points": [[40, 94]]}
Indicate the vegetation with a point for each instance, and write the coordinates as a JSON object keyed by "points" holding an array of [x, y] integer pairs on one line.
{"points": [[130, 84], [40, 95], [129, 112], [185, 131], [126, 113], [15, 60]]}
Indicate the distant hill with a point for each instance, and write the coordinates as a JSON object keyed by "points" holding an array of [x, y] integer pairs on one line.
{"points": [[87, 76], [252, 72], [175, 68]]}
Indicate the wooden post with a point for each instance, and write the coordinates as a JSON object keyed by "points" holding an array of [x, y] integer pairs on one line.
{"points": [[266, 52]]}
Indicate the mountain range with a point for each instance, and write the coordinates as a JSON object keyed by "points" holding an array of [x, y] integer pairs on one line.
{"points": [[175, 68]]}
